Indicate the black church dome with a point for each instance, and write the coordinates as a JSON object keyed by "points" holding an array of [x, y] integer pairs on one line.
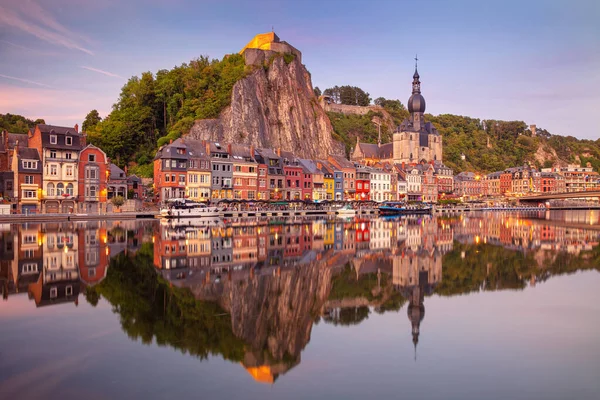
{"points": [[416, 103]]}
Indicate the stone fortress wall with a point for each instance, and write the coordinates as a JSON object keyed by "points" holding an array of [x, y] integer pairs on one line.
{"points": [[265, 45], [347, 109]]}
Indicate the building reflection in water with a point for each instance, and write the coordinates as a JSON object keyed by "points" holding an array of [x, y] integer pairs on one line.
{"points": [[275, 279]]}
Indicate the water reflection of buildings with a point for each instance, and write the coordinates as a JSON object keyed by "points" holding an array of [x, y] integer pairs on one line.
{"points": [[52, 262], [275, 279]]}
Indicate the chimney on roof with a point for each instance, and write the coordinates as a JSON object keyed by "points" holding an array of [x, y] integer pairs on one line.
{"points": [[76, 128], [229, 148], [319, 165], [403, 169], [252, 151], [279, 152], [171, 141], [207, 145]]}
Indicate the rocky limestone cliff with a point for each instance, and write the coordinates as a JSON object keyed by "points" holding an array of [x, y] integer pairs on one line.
{"points": [[274, 108]]}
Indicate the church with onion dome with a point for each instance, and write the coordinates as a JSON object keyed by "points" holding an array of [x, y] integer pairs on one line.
{"points": [[415, 140]]}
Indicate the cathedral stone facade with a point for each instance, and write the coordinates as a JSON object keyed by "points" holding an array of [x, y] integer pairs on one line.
{"points": [[415, 140]]}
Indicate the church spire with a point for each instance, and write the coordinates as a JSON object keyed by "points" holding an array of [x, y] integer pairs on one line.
{"points": [[416, 82]]}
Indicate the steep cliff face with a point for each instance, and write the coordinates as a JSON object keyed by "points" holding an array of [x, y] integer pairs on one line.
{"points": [[274, 108]]}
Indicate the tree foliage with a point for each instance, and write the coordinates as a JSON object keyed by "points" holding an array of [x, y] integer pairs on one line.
{"points": [[91, 120], [117, 201], [350, 95], [17, 124], [155, 108]]}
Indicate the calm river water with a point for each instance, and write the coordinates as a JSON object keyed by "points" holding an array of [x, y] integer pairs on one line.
{"points": [[493, 306]]}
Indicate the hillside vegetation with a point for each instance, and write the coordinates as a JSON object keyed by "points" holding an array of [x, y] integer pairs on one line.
{"points": [[17, 124], [488, 145], [155, 108]]}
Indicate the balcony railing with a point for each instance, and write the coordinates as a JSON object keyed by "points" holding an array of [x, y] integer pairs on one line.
{"points": [[60, 159]]}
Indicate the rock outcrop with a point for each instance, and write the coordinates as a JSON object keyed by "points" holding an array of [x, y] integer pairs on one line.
{"points": [[274, 107]]}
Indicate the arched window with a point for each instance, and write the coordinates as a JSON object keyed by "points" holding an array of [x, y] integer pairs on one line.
{"points": [[50, 189], [60, 189], [411, 156], [70, 189]]}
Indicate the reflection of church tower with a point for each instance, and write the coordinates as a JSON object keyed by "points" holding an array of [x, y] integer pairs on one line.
{"points": [[416, 308], [415, 274]]}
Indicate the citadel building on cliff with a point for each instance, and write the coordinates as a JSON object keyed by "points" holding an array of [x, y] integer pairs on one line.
{"points": [[415, 140]]}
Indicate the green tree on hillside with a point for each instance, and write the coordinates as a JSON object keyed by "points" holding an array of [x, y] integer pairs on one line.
{"points": [[91, 120], [349, 95], [17, 123], [155, 108]]}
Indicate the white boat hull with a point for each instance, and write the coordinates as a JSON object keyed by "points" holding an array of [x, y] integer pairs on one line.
{"points": [[191, 212], [346, 213]]}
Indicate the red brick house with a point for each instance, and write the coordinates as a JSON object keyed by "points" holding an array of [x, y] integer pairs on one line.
{"points": [[92, 180]]}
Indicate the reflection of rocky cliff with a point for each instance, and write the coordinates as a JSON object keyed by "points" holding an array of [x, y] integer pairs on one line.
{"points": [[273, 313]]}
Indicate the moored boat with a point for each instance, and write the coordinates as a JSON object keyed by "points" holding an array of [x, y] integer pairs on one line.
{"points": [[346, 211], [399, 209], [184, 208]]}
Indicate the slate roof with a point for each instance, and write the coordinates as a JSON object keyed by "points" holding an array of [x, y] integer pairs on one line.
{"points": [[116, 172], [170, 151], [369, 150], [195, 148], [26, 153], [14, 137], [61, 130], [311, 166], [240, 151], [343, 163]]}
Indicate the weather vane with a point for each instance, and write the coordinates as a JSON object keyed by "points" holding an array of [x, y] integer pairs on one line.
{"points": [[416, 59]]}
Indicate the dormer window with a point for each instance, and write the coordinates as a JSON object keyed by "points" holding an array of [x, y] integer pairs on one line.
{"points": [[69, 140], [29, 164], [53, 139]]}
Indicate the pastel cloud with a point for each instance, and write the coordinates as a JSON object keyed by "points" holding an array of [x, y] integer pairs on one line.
{"points": [[41, 103], [24, 80], [31, 18]]}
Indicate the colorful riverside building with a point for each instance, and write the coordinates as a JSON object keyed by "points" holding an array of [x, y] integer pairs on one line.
{"points": [[338, 182], [222, 171], [59, 149], [294, 176], [92, 179], [262, 190], [348, 170], [27, 175], [275, 175], [170, 170], [363, 183], [328, 180], [307, 183], [198, 173], [317, 180], [245, 172]]}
